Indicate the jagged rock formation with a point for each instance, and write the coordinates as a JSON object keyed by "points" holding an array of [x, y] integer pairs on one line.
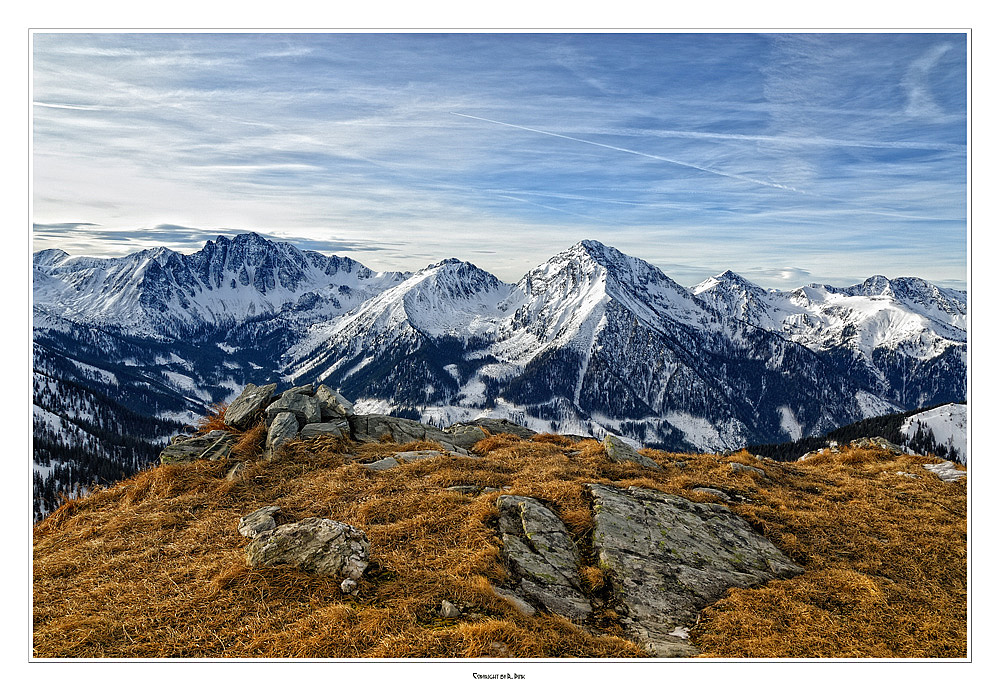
{"points": [[241, 413], [304, 412]]}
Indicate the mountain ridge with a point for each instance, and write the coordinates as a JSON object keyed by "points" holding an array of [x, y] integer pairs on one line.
{"points": [[592, 341]]}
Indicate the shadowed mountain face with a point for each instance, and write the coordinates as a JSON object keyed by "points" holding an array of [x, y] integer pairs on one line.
{"points": [[591, 340]]}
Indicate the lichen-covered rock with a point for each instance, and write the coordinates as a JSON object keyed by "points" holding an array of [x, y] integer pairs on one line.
{"points": [[315, 545], [257, 522], [212, 445], [542, 556], [242, 412], [305, 408], [283, 428], [620, 452], [668, 558]]}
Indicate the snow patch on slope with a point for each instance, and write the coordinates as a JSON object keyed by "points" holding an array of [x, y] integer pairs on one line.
{"points": [[948, 423], [789, 423]]}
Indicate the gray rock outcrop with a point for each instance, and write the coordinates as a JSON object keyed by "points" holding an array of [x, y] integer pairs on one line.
{"points": [[257, 522], [315, 545], [542, 557], [620, 452], [367, 428], [305, 408], [668, 558], [333, 428], [283, 428], [212, 445], [242, 412], [332, 404]]}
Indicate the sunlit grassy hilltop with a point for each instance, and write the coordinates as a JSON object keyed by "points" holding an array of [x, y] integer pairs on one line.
{"points": [[154, 567]]}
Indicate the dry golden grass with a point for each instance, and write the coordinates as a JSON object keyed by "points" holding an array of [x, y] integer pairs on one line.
{"points": [[214, 420], [153, 566]]}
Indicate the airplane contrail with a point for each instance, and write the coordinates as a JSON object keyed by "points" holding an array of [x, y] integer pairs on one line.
{"points": [[713, 171], [735, 176]]}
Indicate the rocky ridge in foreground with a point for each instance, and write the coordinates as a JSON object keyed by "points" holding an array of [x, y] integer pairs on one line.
{"points": [[666, 557], [343, 544]]}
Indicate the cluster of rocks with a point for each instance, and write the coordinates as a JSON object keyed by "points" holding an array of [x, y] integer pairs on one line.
{"points": [[307, 411], [300, 412]]}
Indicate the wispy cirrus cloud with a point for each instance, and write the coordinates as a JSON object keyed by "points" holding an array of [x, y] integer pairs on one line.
{"points": [[771, 150]]}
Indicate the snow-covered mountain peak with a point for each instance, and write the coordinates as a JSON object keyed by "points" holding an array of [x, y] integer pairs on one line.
{"points": [[160, 291], [727, 281], [48, 258]]}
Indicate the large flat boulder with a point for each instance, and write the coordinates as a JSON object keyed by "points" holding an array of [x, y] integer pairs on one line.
{"points": [[668, 558], [243, 411], [337, 427]]}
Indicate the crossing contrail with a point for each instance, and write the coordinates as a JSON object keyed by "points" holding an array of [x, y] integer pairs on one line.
{"points": [[665, 159], [713, 171]]}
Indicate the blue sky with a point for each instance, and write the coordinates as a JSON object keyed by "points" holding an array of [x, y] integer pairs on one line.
{"points": [[788, 158]]}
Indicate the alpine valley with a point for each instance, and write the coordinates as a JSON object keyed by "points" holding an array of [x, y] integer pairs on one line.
{"points": [[129, 350]]}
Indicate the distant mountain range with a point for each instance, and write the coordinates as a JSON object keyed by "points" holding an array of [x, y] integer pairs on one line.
{"points": [[591, 341]]}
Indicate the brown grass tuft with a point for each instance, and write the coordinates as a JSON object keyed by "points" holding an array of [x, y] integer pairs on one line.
{"points": [[214, 420], [251, 443]]}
